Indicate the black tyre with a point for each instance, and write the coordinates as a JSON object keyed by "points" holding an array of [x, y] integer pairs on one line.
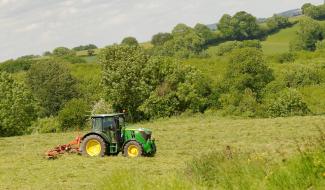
{"points": [[132, 149], [93, 145]]}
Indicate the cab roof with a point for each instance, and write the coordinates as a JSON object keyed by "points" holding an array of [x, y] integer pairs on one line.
{"points": [[107, 115]]}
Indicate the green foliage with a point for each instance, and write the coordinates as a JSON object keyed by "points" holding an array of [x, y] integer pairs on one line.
{"points": [[315, 12], [309, 33], [51, 84], [85, 47], [181, 88], [247, 70], [286, 57], [286, 103], [130, 41], [277, 22], [63, 51], [73, 115], [186, 42], [302, 75], [45, 125], [229, 46], [13, 66], [160, 38], [241, 26], [206, 33], [101, 107], [126, 79], [143, 85], [17, 108], [320, 45]]}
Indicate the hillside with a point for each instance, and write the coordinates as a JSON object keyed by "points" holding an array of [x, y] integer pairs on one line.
{"points": [[178, 140]]}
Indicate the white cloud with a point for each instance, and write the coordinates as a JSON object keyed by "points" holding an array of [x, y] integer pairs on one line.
{"points": [[34, 26]]}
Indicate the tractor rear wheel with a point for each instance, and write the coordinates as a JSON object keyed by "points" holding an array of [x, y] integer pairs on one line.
{"points": [[132, 149], [93, 145]]}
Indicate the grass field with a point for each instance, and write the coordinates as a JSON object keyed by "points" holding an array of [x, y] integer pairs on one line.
{"points": [[179, 139]]}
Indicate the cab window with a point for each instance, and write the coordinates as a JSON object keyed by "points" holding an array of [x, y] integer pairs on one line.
{"points": [[97, 124], [107, 123]]}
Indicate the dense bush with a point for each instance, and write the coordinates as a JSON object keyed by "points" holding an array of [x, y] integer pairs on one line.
{"points": [[320, 45], [277, 22], [309, 33], [141, 84], [302, 75], [130, 41], [185, 43], [74, 115], [63, 51], [101, 107], [17, 107], [229, 46], [247, 70], [13, 66], [85, 47], [160, 38], [181, 88], [315, 12], [51, 84], [286, 57], [46, 125], [242, 26], [286, 103]]}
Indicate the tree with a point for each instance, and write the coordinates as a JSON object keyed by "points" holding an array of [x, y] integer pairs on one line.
{"points": [[73, 115], [277, 22], [247, 70], [17, 108], [239, 27], [185, 43], [305, 7], [315, 12], [150, 87], [204, 32], [130, 41], [63, 51], [309, 33], [85, 47], [51, 84], [160, 38], [125, 78]]}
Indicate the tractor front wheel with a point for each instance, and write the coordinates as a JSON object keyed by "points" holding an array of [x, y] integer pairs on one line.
{"points": [[93, 145], [132, 149]]}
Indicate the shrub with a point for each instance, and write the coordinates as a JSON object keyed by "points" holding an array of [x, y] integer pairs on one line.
{"points": [[63, 51], [73, 115], [17, 107], [320, 45], [302, 75], [286, 103], [13, 66], [51, 84], [286, 57], [307, 36], [247, 70], [229, 46], [142, 84], [101, 107], [46, 125]]}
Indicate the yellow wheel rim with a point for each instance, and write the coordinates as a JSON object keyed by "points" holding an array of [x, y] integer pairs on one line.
{"points": [[93, 147], [133, 151]]}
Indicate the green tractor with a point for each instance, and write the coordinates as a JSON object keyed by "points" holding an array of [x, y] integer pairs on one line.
{"points": [[110, 135]]}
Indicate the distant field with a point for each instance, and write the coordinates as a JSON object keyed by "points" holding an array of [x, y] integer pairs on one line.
{"points": [[179, 139], [279, 42]]}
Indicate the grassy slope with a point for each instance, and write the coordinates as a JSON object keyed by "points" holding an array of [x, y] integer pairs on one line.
{"points": [[178, 140]]}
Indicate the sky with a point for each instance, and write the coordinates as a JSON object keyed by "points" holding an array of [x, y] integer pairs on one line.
{"points": [[34, 26]]}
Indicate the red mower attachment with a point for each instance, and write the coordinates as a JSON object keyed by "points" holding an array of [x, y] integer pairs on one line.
{"points": [[72, 147]]}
